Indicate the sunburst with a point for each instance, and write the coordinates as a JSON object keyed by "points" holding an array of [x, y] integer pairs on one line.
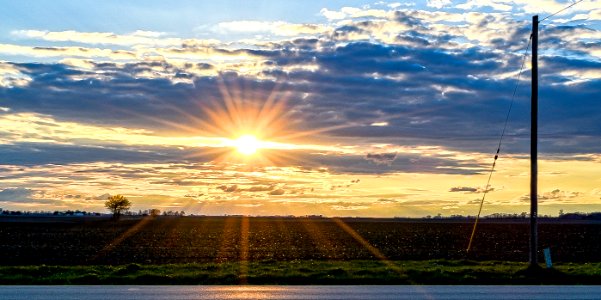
{"points": [[254, 128], [259, 130]]}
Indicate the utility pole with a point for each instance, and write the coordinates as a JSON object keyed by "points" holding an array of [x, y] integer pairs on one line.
{"points": [[534, 148]]}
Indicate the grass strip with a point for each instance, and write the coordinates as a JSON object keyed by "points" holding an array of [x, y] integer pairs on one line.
{"points": [[308, 272]]}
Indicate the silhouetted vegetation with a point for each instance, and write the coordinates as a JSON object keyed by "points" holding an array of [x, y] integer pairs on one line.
{"points": [[48, 213], [117, 204], [581, 216]]}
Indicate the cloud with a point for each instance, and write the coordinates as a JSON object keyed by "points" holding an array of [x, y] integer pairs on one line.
{"points": [[31, 127], [463, 189], [496, 5], [278, 28], [354, 13], [342, 205], [555, 196], [260, 188], [19, 194], [332, 15], [42, 153], [11, 76], [417, 80], [249, 204], [381, 158], [373, 91], [387, 201], [438, 4], [548, 6], [277, 192], [228, 189], [138, 37], [361, 82], [470, 190], [66, 52], [104, 196]]}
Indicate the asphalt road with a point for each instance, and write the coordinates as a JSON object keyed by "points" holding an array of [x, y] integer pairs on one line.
{"points": [[299, 292]]}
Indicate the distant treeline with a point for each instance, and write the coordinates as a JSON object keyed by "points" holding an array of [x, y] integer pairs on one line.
{"points": [[581, 216], [156, 212], [48, 213], [524, 215], [75, 213]]}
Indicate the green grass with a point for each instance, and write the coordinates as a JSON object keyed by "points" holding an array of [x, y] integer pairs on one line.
{"points": [[308, 272]]}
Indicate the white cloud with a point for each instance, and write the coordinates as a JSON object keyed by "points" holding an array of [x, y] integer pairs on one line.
{"points": [[582, 75], [332, 14], [66, 52], [278, 28], [531, 6], [438, 3], [592, 15], [354, 12], [103, 38], [500, 5], [10, 76], [546, 6], [31, 127]]}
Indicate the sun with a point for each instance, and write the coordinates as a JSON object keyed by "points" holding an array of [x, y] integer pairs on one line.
{"points": [[247, 144]]}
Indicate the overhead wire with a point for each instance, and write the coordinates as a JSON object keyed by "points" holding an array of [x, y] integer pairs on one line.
{"points": [[560, 10], [492, 169]]}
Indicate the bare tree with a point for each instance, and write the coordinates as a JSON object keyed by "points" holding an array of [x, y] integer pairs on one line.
{"points": [[117, 204]]}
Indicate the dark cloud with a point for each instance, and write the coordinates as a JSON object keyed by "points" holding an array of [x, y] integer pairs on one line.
{"points": [[463, 189], [253, 189], [228, 188], [402, 163], [277, 192], [16, 195], [42, 153], [381, 158], [470, 190], [29, 196], [555, 196], [428, 95], [407, 18], [104, 196]]}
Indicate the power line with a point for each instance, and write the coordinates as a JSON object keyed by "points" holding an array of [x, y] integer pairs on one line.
{"points": [[492, 169], [486, 189], [560, 10]]}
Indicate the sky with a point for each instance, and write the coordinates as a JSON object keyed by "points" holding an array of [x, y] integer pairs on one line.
{"points": [[334, 108]]}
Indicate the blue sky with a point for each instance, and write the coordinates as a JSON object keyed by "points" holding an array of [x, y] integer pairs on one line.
{"points": [[178, 17], [355, 107]]}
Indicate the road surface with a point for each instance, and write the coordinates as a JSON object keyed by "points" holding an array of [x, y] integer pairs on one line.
{"points": [[299, 292]]}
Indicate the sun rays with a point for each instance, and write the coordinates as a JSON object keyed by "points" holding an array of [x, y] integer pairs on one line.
{"points": [[234, 124], [254, 129]]}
